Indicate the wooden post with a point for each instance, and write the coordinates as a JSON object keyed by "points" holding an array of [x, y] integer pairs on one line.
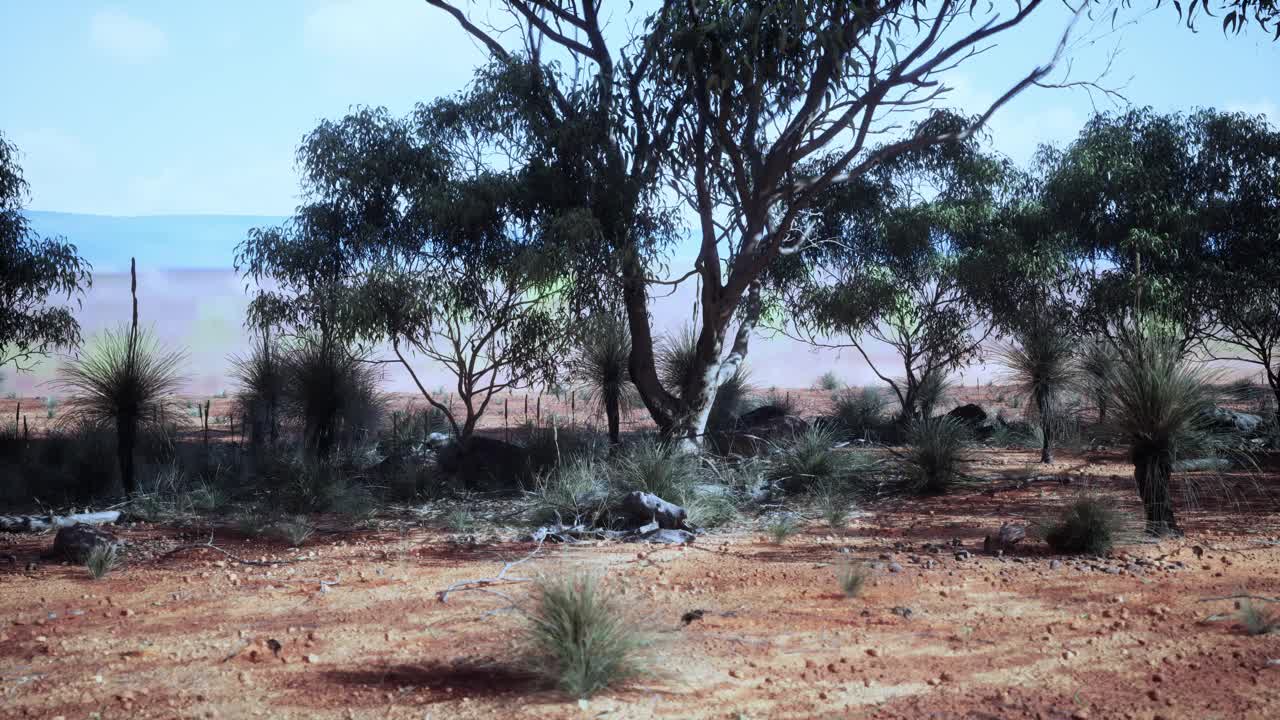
{"points": [[538, 416], [506, 417], [573, 397]]}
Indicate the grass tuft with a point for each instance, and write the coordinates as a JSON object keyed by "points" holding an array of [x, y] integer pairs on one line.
{"points": [[295, 531], [852, 576], [102, 560], [580, 638], [935, 455], [781, 528], [828, 381], [1089, 525], [460, 520], [1257, 620]]}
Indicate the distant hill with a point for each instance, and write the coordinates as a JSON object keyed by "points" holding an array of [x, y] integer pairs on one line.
{"points": [[160, 242]]}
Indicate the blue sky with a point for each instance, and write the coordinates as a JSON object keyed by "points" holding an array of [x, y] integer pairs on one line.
{"points": [[151, 107]]}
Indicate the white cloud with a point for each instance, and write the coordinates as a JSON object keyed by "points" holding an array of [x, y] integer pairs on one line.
{"points": [[126, 37]]}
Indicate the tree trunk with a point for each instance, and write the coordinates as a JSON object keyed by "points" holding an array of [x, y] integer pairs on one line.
{"points": [[126, 436], [1152, 472], [1046, 451], [613, 415]]}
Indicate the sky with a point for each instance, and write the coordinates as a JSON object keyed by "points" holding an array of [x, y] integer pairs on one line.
{"points": [[149, 107], [158, 108]]}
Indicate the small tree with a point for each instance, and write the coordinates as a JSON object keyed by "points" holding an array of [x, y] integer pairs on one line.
{"points": [[600, 367], [1041, 364], [32, 271]]}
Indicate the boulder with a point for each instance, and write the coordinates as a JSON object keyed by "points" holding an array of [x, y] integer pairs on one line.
{"points": [[75, 543], [485, 463], [970, 414], [1004, 538], [667, 537], [641, 508]]}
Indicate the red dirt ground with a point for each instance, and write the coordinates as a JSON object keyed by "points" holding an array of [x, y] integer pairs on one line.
{"points": [[1021, 636]]}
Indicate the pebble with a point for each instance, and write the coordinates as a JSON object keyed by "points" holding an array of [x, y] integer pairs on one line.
{"points": [[1055, 564], [895, 567]]}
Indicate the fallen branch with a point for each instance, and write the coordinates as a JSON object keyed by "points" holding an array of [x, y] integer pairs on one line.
{"points": [[485, 584], [1241, 597], [40, 523]]}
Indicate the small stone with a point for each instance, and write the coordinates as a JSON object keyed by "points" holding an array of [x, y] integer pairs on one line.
{"points": [[312, 659], [1055, 564], [873, 652], [895, 567]]}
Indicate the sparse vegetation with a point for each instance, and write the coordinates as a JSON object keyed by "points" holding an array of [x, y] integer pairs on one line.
{"points": [[102, 559], [780, 528], [860, 412], [935, 457], [460, 520], [1257, 619], [1089, 525], [580, 637], [829, 381], [295, 531], [809, 459], [852, 576]]}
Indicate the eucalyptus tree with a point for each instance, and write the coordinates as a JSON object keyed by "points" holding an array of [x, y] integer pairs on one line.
{"points": [[885, 265], [33, 271], [730, 104]]}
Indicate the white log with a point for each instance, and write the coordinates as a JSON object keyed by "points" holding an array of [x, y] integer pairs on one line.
{"points": [[40, 523]]}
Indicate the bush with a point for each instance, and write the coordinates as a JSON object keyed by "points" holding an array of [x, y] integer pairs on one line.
{"points": [[934, 390], [576, 492], [124, 382], [810, 459], [828, 381], [102, 560], [331, 394], [1257, 620], [656, 468], [601, 369], [835, 505], [1088, 526], [860, 413], [780, 528], [579, 637], [935, 455], [261, 391], [460, 521], [295, 531]]}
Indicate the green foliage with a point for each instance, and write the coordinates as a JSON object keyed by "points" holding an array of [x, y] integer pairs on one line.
{"points": [[829, 381], [657, 468], [102, 559], [330, 393], [678, 363], [124, 381], [460, 520], [780, 528], [809, 459], [1042, 368], [935, 456], [835, 505], [576, 492], [580, 638], [1089, 525], [34, 272], [860, 413], [600, 368], [261, 379]]}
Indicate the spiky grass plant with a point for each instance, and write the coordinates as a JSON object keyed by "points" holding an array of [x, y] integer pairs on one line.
{"points": [[859, 412], [331, 393], [600, 369], [1041, 368], [575, 492], [935, 456], [834, 504], [807, 460], [460, 520], [1089, 525], [295, 531], [125, 381], [676, 364], [260, 394], [1095, 363], [580, 637], [102, 559], [932, 391], [1160, 404], [852, 576], [655, 467], [1256, 619], [780, 528]]}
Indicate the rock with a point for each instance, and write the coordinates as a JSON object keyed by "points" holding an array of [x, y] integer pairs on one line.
{"points": [[485, 463], [1055, 564], [1234, 421], [668, 537], [963, 555], [970, 414], [641, 508], [75, 543], [895, 567], [1004, 538]]}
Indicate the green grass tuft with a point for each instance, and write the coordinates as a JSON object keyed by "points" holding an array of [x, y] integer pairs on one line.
{"points": [[102, 560], [1090, 525]]}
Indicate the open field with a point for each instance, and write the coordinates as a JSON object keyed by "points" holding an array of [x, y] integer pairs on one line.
{"points": [[362, 632]]}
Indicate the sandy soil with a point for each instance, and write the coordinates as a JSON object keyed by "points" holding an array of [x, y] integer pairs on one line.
{"points": [[363, 634]]}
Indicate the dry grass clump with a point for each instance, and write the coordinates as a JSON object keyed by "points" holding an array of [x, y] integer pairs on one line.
{"points": [[852, 576], [781, 528], [1089, 525], [580, 637], [935, 455], [102, 559]]}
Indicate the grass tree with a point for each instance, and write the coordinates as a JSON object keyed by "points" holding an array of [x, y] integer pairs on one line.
{"points": [[600, 368], [125, 381], [1040, 363], [1161, 399]]}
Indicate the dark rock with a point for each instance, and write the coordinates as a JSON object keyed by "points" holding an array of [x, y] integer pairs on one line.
{"points": [[485, 463], [963, 555], [75, 543], [970, 414], [669, 537], [641, 508], [895, 567], [1234, 421], [1004, 538], [756, 431]]}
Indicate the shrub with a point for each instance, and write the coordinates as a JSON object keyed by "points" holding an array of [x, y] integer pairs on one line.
{"points": [[260, 395], [1042, 368], [460, 520], [124, 382], [935, 455], [295, 531], [860, 412], [829, 381], [102, 559], [834, 505], [810, 459], [708, 509], [1257, 620], [852, 576], [576, 492], [780, 528], [934, 390], [580, 639], [601, 369], [656, 468], [331, 393], [1089, 526]]}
